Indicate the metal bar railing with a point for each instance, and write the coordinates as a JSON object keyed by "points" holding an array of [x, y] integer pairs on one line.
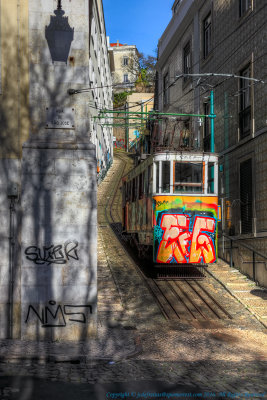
{"points": [[254, 253]]}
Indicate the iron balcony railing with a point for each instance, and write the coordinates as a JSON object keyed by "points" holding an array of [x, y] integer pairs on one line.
{"points": [[238, 244]]}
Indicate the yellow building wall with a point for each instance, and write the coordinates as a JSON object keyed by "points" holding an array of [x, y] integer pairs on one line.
{"points": [[134, 102], [14, 97]]}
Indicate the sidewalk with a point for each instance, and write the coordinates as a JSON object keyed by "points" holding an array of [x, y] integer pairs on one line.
{"points": [[112, 344], [253, 297]]}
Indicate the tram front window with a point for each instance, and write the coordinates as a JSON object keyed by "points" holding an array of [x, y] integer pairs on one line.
{"points": [[165, 176], [210, 177], [157, 176], [188, 177]]}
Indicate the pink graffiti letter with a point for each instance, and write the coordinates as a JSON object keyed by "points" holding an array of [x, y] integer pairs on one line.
{"points": [[202, 245]]}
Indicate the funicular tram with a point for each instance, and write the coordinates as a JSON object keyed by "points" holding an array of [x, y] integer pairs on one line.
{"points": [[170, 209]]}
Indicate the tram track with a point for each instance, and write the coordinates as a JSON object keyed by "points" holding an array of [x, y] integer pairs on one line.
{"points": [[182, 300]]}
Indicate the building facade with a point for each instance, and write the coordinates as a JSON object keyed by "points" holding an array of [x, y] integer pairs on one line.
{"points": [[138, 97], [137, 131], [224, 38], [124, 66], [101, 84]]}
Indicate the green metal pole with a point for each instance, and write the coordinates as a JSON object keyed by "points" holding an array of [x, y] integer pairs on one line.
{"points": [[142, 110], [154, 114], [226, 143], [126, 129], [139, 118], [226, 121], [135, 125], [212, 116]]}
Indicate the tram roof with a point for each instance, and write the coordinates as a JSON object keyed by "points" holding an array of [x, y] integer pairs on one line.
{"points": [[185, 156]]}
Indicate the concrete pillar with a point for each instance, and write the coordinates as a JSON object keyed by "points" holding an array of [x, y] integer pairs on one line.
{"points": [[58, 197], [58, 239]]}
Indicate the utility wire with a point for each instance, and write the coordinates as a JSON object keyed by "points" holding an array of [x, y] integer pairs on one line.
{"points": [[191, 101], [173, 83]]}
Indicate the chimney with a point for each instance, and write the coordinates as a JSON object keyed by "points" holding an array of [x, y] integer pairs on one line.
{"points": [[118, 42]]}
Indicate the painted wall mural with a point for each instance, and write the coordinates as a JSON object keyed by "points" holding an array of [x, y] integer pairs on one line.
{"points": [[185, 229]]}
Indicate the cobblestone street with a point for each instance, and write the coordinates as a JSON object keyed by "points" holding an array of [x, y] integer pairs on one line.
{"points": [[137, 349]]}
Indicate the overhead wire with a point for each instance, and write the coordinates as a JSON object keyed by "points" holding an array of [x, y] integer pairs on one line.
{"points": [[100, 107], [233, 32], [190, 101]]}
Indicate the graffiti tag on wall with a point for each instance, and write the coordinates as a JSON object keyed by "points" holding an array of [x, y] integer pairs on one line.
{"points": [[59, 254], [184, 238], [54, 315]]}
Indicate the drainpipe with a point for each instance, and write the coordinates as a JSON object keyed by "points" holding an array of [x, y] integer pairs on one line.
{"points": [[12, 195]]}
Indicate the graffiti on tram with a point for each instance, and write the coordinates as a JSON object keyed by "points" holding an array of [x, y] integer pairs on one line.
{"points": [[187, 234]]}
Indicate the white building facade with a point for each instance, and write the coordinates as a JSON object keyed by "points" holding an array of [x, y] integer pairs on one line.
{"points": [[101, 84]]}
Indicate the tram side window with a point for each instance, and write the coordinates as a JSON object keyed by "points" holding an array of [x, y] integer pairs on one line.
{"points": [[141, 186], [210, 177], [165, 176], [129, 191], [149, 180], [145, 182], [124, 193], [188, 177], [136, 194], [133, 189], [157, 177]]}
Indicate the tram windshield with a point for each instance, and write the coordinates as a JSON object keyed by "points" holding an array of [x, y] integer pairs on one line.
{"points": [[188, 177], [165, 176]]}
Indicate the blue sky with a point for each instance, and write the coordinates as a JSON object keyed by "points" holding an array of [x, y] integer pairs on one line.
{"points": [[139, 22]]}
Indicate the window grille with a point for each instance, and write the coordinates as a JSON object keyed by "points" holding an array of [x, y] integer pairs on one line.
{"points": [[166, 89], [244, 7], [245, 104], [246, 196], [187, 60], [207, 35]]}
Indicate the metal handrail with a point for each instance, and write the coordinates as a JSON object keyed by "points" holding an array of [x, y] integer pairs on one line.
{"points": [[254, 252]]}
